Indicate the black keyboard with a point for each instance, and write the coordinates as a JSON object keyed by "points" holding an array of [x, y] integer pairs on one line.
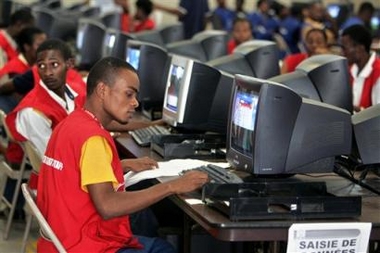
{"points": [[220, 175], [143, 136]]}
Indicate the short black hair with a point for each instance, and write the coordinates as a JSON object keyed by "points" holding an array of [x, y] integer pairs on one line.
{"points": [[366, 6], [317, 30], [56, 44], [145, 5], [104, 71], [241, 20], [26, 36], [23, 15], [359, 34]]}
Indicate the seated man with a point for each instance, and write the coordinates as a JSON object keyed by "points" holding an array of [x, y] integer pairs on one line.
{"points": [[241, 32], [364, 66], [19, 20], [50, 100], [28, 41], [81, 187]]}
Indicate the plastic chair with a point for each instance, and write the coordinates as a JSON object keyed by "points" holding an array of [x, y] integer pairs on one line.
{"points": [[35, 160], [18, 174], [45, 229]]}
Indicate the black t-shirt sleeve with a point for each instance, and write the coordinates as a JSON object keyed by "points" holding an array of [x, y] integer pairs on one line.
{"points": [[24, 83]]}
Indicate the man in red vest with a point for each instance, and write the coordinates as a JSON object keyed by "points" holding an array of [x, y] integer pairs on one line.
{"points": [[50, 100], [81, 189], [18, 21], [364, 66], [28, 41]]}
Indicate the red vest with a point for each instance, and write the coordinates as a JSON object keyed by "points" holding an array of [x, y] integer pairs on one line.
{"points": [[369, 82], [14, 66], [67, 208], [39, 99], [7, 46], [231, 45], [293, 60]]}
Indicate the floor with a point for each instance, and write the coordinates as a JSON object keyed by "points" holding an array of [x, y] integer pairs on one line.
{"points": [[14, 242]]}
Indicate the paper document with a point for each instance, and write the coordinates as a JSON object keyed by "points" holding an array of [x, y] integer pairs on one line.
{"points": [[168, 168]]}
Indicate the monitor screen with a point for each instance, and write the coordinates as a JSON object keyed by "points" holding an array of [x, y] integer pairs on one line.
{"points": [[109, 43], [190, 89], [243, 115], [274, 131], [176, 76], [333, 10], [375, 21], [133, 57]]}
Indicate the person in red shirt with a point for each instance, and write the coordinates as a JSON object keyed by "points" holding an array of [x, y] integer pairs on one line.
{"points": [[81, 189], [241, 32], [18, 21], [315, 43], [141, 21], [49, 102], [28, 41]]}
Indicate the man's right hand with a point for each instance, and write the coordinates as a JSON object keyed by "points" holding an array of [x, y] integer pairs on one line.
{"points": [[189, 181]]}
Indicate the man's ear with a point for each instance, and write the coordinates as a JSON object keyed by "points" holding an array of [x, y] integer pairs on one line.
{"points": [[100, 90]]}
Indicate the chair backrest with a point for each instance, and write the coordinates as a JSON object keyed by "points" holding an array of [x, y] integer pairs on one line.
{"points": [[45, 229], [35, 158], [4, 125]]}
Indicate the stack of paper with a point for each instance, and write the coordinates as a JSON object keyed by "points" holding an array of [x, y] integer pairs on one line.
{"points": [[168, 168]]}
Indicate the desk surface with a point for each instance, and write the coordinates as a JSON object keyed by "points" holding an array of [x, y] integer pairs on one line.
{"points": [[223, 228]]}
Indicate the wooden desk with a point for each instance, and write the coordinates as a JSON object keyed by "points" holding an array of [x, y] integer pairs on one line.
{"points": [[219, 226]]}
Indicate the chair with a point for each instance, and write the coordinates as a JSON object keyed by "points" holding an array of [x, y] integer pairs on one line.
{"points": [[35, 160], [18, 174], [45, 229]]}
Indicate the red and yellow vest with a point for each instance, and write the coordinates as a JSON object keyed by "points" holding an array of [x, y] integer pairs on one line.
{"points": [[66, 206]]}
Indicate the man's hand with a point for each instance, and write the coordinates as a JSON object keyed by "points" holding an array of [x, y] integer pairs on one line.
{"points": [[139, 164], [189, 181]]}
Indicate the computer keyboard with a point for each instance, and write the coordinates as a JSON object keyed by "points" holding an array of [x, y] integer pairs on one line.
{"points": [[143, 136], [219, 174]]}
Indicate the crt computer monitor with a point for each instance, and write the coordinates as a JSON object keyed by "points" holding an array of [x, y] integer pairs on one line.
{"points": [[218, 117], [89, 42], [172, 32], [257, 58], [152, 36], [323, 78], [366, 126], [203, 46], [151, 62], [274, 131], [190, 89], [114, 43]]}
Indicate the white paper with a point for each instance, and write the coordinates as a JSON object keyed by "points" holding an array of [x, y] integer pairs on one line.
{"points": [[350, 237], [168, 168]]}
